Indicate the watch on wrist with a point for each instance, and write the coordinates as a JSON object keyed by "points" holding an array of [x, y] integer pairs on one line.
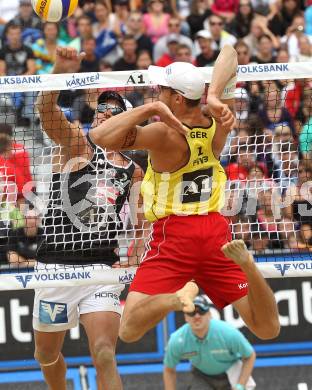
{"points": [[238, 386]]}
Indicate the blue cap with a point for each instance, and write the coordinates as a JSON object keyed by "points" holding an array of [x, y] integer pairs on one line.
{"points": [[202, 302]]}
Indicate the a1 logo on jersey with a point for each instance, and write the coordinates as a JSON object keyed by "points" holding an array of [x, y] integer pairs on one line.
{"points": [[53, 312], [197, 186]]}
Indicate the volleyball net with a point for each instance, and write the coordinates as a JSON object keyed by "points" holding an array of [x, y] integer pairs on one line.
{"points": [[54, 207]]}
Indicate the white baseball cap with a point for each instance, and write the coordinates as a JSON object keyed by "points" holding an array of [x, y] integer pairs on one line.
{"points": [[173, 38], [203, 34], [183, 77]]}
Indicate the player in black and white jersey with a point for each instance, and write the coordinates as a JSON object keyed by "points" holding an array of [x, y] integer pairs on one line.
{"points": [[89, 189]]}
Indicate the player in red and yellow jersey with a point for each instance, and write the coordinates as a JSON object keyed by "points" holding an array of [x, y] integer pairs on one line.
{"points": [[183, 192]]}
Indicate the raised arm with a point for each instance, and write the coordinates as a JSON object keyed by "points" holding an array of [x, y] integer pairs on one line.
{"points": [[122, 132], [224, 70], [53, 120]]}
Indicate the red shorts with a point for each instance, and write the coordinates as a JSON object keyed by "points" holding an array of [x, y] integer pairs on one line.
{"points": [[182, 248]]}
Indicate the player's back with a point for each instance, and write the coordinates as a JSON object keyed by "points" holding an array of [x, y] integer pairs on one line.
{"points": [[82, 220], [196, 188]]}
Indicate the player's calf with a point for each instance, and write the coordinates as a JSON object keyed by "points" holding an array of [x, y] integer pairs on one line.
{"points": [[53, 367], [104, 360], [143, 312]]}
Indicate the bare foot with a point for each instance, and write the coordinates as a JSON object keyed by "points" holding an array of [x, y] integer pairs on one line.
{"points": [[186, 295], [238, 252]]}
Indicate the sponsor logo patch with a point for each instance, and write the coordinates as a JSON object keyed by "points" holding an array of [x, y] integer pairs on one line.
{"points": [[282, 268], [53, 312], [24, 279]]}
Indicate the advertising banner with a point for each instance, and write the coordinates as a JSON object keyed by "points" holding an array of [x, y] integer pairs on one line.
{"points": [[294, 297]]}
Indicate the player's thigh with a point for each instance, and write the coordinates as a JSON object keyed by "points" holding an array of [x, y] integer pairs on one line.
{"points": [[100, 312], [134, 298], [102, 330], [48, 345]]}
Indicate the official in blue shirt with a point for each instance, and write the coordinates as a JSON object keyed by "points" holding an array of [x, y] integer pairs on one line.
{"points": [[221, 356]]}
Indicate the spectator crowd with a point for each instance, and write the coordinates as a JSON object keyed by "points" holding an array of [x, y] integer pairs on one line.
{"points": [[268, 157]]}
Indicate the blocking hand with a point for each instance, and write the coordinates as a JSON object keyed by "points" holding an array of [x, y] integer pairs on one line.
{"points": [[67, 60]]}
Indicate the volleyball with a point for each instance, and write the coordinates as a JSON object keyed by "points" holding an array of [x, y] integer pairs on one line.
{"points": [[54, 10]]}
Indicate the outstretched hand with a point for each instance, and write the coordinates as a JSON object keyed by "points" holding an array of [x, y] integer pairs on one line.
{"points": [[167, 117], [67, 60], [221, 112]]}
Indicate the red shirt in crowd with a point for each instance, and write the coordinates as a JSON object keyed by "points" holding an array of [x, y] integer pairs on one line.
{"points": [[165, 60], [16, 169], [236, 172], [225, 6], [293, 99]]}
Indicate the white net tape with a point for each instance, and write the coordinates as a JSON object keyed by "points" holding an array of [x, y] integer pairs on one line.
{"points": [[139, 78], [268, 198], [68, 277]]}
